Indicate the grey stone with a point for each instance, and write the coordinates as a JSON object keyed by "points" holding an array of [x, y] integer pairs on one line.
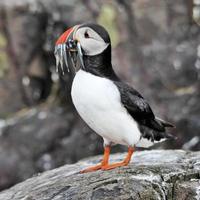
{"points": [[156, 174], [41, 139]]}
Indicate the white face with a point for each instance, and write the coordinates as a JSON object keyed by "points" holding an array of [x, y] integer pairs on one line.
{"points": [[90, 41]]}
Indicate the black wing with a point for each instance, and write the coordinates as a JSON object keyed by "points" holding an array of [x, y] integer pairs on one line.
{"points": [[140, 110]]}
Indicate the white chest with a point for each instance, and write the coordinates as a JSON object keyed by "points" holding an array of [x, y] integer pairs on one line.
{"points": [[97, 100]]}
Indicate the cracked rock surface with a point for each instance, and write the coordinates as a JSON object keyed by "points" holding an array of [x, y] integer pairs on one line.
{"points": [[156, 174]]}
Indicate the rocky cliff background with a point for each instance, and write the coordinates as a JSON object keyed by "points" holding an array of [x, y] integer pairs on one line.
{"points": [[156, 49]]}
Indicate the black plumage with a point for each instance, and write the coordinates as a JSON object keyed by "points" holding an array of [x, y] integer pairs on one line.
{"points": [[151, 128]]}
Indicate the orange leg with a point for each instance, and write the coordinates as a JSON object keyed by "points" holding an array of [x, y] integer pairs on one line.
{"points": [[120, 164], [104, 162]]}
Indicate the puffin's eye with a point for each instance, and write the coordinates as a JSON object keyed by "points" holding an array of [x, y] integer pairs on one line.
{"points": [[86, 35]]}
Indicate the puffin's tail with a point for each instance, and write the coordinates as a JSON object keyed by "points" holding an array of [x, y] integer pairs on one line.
{"points": [[159, 124], [164, 123], [157, 134]]}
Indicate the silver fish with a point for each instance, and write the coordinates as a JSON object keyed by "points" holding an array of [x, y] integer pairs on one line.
{"points": [[80, 54]]}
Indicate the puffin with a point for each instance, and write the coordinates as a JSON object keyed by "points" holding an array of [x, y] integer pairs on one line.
{"points": [[113, 109]]}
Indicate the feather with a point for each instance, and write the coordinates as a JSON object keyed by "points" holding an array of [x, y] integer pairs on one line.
{"points": [[165, 123]]}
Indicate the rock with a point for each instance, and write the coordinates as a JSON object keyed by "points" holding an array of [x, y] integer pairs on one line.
{"points": [[157, 174], [188, 190], [41, 139]]}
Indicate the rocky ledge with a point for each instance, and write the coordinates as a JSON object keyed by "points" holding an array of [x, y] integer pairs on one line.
{"points": [[156, 174]]}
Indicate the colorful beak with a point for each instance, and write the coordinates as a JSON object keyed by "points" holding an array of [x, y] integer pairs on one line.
{"points": [[60, 52], [67, 49], [63, 38]]}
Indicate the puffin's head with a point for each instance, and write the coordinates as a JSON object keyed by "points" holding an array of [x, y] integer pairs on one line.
{"points": [[85, 39]]}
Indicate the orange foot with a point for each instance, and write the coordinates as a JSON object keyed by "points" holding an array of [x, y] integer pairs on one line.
{"points": [[91, 169], [99, 166], [104, 164], [114, 165]]}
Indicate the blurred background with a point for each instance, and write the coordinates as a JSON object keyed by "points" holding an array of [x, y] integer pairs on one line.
{"points": [[156, 49]]}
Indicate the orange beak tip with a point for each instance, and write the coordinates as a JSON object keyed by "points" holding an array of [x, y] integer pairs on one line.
{"points": [[63, 38]]}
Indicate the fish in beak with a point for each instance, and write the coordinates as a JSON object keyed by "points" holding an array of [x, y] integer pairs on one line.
{"points": [[68, 51]]}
